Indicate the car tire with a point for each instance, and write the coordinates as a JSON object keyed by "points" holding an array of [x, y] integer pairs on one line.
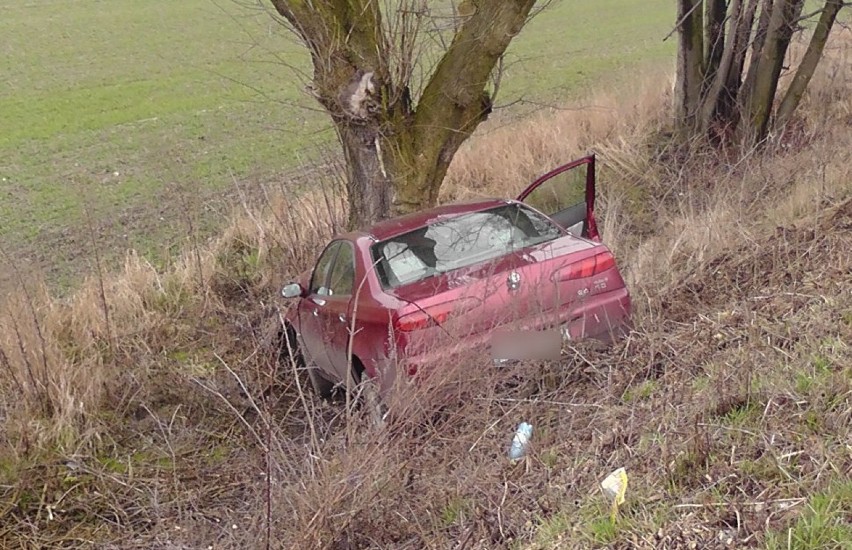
{"points": [[370, 399], [322, 387]]}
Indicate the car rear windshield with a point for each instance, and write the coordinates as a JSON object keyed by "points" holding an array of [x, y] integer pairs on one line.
{"points": [[459, 242]]}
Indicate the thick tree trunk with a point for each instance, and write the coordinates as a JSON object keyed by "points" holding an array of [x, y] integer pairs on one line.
{"points": [[423, 154], [397, 154], [690, 65], [809, 62], [453, 102], [758, 103], [368, 184], [395, 165]]}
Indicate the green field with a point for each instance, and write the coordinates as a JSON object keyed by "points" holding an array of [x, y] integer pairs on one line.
{"points": [[117, 116]]}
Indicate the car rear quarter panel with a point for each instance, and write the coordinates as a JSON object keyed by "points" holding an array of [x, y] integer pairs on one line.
{"points": [[596, 303]]}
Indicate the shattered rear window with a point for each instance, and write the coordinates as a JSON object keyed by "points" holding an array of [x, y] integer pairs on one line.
{"points": [[460, 242]]}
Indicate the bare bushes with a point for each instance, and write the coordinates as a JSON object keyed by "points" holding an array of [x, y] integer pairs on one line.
{"points": [[63, 358], [277, 239], [63, 361], [437, 473], [37, 385], [713, 206]]}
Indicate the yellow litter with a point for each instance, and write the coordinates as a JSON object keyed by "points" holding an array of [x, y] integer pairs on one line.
{"points": [[615, 487]]}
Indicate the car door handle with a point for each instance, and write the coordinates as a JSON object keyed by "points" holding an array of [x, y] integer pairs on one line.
{"points": [[318, 301], [342, 318]]}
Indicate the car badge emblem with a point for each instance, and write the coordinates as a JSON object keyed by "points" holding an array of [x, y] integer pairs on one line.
{"points": [[514, 280]]}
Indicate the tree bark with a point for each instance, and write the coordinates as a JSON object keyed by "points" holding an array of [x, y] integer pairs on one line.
{"points": [[758, 103], [368, 186], [711, 99], [766, 8], [453, 102], [714, 39], [809, 62], [716, 95], [726, 104], [398, 154], [690, 64]]}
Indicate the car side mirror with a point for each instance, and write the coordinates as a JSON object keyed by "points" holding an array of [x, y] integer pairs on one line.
{"points": [[292, 290]]}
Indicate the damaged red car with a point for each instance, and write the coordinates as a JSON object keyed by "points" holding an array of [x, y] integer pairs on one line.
{"points": [[414, 291]]}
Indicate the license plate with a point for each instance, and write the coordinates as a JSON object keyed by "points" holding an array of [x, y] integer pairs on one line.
{"points": [[515, 345]]}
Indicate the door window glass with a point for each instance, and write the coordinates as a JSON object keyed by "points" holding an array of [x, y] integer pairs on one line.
{"points": [[320, 276], [560, 192], [342, 279]]}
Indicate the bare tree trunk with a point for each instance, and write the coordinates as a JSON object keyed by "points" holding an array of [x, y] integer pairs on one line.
{"points": [[397, 154], [367, 183], [712, 95], [453, 103], [690, 64], [758, 103], [809, 62], [757, 46], [726, 104], [422, 159], [714, 40], [716, 95]]}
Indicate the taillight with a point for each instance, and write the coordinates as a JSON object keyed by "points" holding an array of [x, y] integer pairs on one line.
{"points": [[586, 267], [435, 315]]}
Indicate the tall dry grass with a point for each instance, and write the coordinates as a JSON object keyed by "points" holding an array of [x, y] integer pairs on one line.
{"points": [[161, 384], [65, 360]]}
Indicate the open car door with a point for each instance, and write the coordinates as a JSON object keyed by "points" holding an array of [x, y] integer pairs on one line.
{"points": [[567, 195]]}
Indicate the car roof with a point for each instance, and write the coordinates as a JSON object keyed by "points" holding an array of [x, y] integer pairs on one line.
{"points": [[393, 227]]}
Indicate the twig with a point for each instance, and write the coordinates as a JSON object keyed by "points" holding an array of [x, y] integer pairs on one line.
{"points": [[233, 409], [791, 501], [545, 401], [682, 19], [486, 430]]}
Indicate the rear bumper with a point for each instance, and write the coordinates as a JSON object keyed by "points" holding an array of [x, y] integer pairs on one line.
{"points": [[605, 318]]}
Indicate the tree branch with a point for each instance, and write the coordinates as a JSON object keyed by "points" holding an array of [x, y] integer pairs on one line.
{"points": [[453, 101], [681, 21], [809, 62], [465, 67]]}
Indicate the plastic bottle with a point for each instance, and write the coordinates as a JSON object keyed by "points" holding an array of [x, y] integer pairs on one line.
{"points": [[521, 441]]}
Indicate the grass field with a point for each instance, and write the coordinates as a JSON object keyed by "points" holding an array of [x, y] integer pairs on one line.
{"points": [[116, 117]]}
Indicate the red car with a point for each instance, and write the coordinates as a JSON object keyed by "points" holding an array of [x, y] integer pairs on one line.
{"points": [[411, 290]]}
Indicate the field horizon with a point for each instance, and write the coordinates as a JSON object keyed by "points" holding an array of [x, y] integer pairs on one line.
{"points": [[142, 113]]}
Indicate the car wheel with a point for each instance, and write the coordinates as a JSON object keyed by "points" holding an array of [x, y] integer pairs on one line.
{"points": [[321, 386]]}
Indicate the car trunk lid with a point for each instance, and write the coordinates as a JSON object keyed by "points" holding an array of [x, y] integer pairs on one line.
{"points": [[520, 285]]}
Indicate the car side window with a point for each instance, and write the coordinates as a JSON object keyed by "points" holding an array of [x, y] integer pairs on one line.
{"points": [[342, 280], [563, 198], [320, 276], [560, 192]]}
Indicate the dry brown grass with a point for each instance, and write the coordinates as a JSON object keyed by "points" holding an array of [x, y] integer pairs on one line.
{"points": [[509, 154], [147, 410]]}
